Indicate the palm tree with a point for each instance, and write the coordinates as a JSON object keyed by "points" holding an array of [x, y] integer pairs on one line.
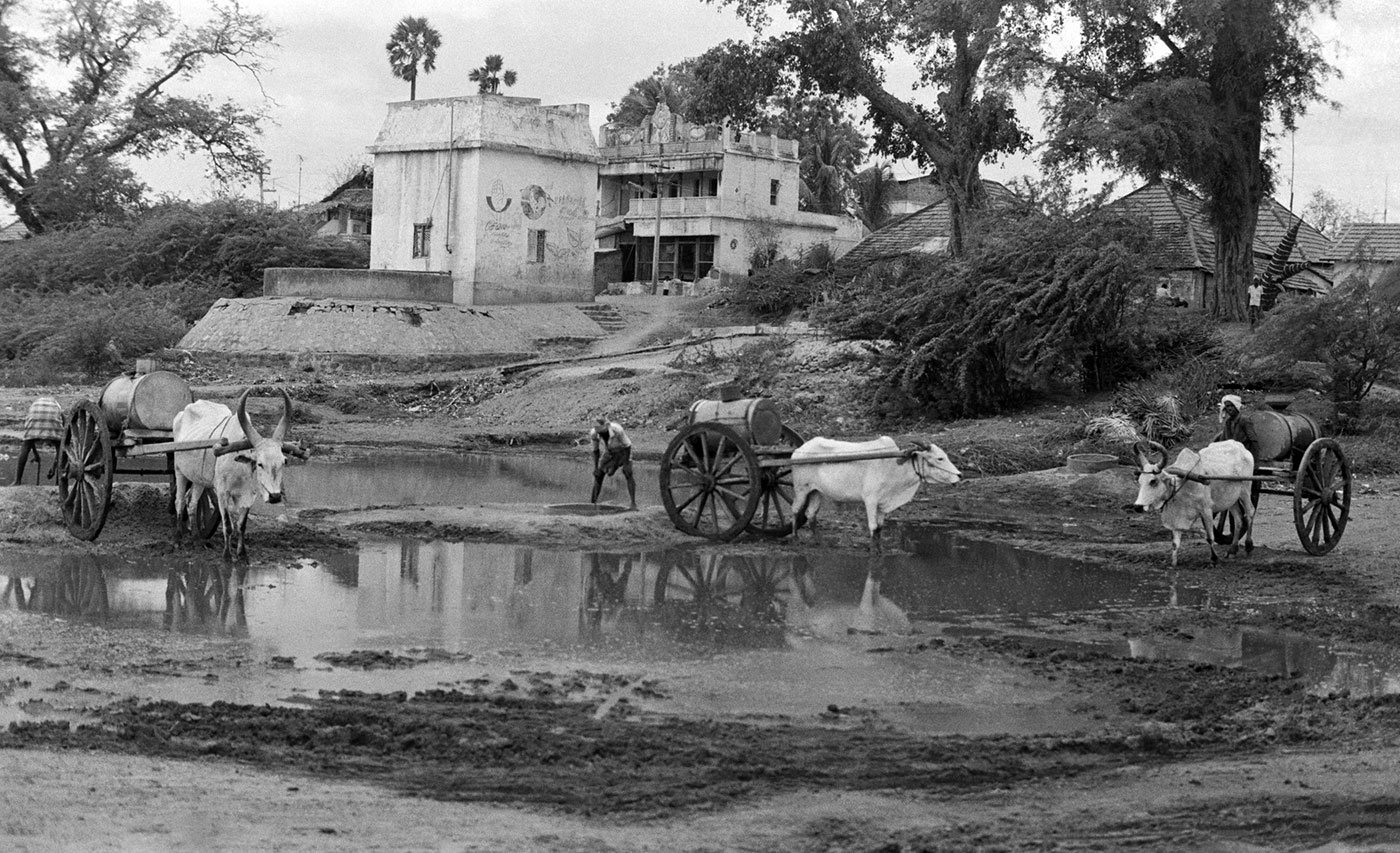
{"points": [[874, 187], [413, 42], [488, 78], [827, 173]]}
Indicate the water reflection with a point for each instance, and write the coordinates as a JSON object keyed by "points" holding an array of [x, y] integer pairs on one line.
{"points": [[1273, 653], [636, 605], [76, 587], [462, 591], [198, 599]]}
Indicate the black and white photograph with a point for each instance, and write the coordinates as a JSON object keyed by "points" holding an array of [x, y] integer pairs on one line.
{"points": [[694, 426]]}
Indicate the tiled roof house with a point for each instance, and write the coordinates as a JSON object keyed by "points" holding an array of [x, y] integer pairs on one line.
{"points": [[1187, 240], [925, 230], [1368, 248], [348, 211]]}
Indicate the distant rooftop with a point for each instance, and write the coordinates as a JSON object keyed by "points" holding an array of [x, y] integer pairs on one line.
{"points": [[1376, 241]]}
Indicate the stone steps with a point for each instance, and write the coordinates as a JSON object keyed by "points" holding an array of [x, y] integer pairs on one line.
{"points": [[606, 316]]}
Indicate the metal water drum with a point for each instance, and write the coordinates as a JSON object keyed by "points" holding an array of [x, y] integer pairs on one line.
{"points": [[144, 400], [1281, 435], [756, 419]]}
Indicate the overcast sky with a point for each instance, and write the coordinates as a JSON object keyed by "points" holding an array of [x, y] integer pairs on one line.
{"points": [[329, 81]]}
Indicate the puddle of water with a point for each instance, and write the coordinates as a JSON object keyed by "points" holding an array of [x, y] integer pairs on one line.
{"points": [[726, 630], [466, 479]]}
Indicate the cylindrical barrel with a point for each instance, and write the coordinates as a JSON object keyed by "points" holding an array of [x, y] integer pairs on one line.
{"points": [[144, 401], [1280, 435], [756, 419]]}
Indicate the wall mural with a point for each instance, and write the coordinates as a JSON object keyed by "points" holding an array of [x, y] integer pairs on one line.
{"points": [[498, 228], [533, 201], [498, 190]]}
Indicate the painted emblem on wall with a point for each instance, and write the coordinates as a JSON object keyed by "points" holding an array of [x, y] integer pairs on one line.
{"points": [[498, 190], [533, 201]]}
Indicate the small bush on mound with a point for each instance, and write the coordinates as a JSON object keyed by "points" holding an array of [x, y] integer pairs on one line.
{"points": [[778, 289]]}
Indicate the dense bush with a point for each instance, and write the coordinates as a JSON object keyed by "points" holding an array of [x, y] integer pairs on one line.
{"points": [[91, 299], [1042, 303], [777, 289], [228, 241], [1354, 330]]}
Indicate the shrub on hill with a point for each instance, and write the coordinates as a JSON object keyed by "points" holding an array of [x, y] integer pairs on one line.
{"points": [[66, 295], [229, 241]]}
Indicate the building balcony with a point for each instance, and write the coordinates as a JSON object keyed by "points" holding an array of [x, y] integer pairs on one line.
{"points": [[645, 208]]}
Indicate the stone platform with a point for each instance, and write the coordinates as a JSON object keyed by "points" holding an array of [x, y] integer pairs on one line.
{"points": [[282, 329]]}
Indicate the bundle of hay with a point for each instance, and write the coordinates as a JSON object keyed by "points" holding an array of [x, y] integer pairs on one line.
{"points": [[1137, 413]]}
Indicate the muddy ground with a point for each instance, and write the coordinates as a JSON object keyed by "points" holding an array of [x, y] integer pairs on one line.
{"points": [[1174, 754]]}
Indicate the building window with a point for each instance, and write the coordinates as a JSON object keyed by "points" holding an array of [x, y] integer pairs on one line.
{"points": [[534, 246], [422, 238], [773, 192]]}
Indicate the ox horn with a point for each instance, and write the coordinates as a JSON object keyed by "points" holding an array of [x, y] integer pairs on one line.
{"points": [[280, 432], [249, 431], [1145, 450]]}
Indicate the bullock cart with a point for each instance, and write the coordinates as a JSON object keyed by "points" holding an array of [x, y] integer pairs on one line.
{"points": [[129, 424], [1294, 459], [729, 470]]}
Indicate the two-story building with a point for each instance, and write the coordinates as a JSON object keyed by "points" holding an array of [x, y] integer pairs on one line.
{"points": [[681, 202]]}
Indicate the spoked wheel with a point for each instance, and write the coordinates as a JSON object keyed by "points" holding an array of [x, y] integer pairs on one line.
{"points": [[1322, 496], [710, 481], [85, 469], [206, 514], [773, 517], [708, 580], [1225, 522]]}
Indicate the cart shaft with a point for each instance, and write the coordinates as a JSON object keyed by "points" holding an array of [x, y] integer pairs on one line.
{"points": [[835, 457]]}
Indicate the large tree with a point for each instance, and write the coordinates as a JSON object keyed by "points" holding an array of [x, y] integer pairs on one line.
{"points": [[90, 88], [413, 45], [972, 54], [1190, 89]]}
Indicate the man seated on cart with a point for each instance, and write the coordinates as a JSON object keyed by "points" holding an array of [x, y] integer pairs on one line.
{"points": [[43, 426], [1235, 424], [612, 452]]}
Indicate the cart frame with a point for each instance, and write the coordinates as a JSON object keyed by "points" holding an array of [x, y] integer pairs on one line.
{"points": [[89, 458]]}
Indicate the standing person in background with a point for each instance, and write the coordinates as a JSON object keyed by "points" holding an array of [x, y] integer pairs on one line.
{"points": [[1256, 302], [612, 452], [42, 426]]}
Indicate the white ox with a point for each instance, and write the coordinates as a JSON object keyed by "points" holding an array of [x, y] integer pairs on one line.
{"points": [[883, 485], [1188, 492], [249, 467]]}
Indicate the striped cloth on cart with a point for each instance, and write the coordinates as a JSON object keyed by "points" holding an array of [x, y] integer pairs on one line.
{"points": [[44, 421]]}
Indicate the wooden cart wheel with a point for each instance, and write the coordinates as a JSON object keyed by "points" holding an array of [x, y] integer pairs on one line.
{"points": [[710, 481], [206, 514], [1225, 522], [85, 468], [1322, 496], [774, 514]]}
